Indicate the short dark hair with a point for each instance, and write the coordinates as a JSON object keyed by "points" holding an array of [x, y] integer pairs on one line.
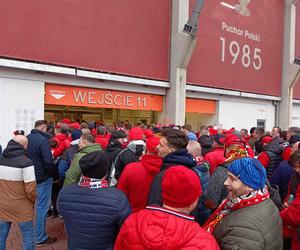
{"points": [[260, 130], [295, 157], [40, 122], [252, 130], [88, 137], [295, 130], [175, 138], [187, 127], [244, 130], [101, 130]]}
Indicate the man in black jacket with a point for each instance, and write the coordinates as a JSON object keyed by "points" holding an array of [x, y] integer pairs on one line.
{"points": [[116, 141], [133, 152], [172, 148], [40, 153]]}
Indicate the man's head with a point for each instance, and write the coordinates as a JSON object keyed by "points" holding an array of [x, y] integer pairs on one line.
{"points": [[21, 139], [85, 140], [151, 145], [95, 165], [292, 131], [119, 135], [275, 132], [259, 132], [252, 130], [171, 140], [194, 148], [186, 128], [294, 161], [101, 130], [234, 146], [181, 189], [218, 140], [41, 125], [244, 132], [244, 176]]}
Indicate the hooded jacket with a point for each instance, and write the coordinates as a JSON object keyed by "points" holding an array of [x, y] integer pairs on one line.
{"points": [[274, 151], [102, 140], [136, 179], [66, 159], [73, 174], [132, 153], [113, 149], [62, 144], [255, 227], [40, 153], [291, 217], [93, 216], [162, 229], [178, 157], [215, 158], [17, 184]]}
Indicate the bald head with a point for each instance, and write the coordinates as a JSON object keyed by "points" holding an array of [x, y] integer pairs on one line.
{"points": [[21, 139], [194, 148]]}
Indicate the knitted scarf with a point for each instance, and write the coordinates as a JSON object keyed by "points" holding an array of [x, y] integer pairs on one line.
{"points": [[236, 152], [92, 182], [229, 205]]}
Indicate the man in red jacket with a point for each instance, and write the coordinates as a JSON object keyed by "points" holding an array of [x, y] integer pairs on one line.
{"points": [[216, 156], [136, 179], [101, 138], [169, 226]]}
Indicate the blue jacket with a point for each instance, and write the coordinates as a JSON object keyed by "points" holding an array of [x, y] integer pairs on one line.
{"points": [[40, 153], [178, 157], [202, 213], [281, 178], [92, 217]]}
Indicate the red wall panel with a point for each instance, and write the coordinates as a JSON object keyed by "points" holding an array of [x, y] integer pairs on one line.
{"points": [[258, 37], [120, 36], [297, 51]]}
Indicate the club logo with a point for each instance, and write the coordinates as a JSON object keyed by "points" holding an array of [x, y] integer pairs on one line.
{"points": [[57, 94]]}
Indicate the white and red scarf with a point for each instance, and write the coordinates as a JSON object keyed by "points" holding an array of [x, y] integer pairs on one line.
{"points": [[229, 205], [92, 182]]}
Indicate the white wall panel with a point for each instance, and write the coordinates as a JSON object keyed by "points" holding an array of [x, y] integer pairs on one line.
{"points": [[240, 113], [296, 115], [21, 104]]}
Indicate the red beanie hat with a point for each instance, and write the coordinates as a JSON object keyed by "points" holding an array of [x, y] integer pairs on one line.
{"points": [[266, 139], [136, 133], [75, 125], [148, 133], [151, 144], [66, 120], [180, 187]]}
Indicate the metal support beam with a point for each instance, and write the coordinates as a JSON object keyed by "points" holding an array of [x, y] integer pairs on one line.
{"points": [[290, 70], [183, 42]]}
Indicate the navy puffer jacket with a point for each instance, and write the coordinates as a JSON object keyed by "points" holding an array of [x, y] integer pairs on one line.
{"points": [[40, 153], [92, 217]]}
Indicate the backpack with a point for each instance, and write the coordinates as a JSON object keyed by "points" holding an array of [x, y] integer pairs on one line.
{"points": [[275, 195], [112, 181]]}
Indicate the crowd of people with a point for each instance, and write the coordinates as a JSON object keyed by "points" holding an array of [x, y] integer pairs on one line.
{"points": [[153, 187]]}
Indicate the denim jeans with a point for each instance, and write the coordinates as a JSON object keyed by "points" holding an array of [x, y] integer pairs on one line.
{"points": [[43, 202], [27, 232]]}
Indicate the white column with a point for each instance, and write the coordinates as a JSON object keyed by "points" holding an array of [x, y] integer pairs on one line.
{"points": [[289, 69]]}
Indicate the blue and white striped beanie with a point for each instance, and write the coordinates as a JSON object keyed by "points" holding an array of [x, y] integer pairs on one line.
{"points": [[250, 171]]}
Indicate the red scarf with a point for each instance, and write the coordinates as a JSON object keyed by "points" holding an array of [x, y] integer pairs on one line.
{"points": [[229, 205], [236, 152], [92, 182]]}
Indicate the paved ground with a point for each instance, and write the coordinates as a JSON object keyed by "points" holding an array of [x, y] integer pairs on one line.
{"points": [[55, 228]]}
